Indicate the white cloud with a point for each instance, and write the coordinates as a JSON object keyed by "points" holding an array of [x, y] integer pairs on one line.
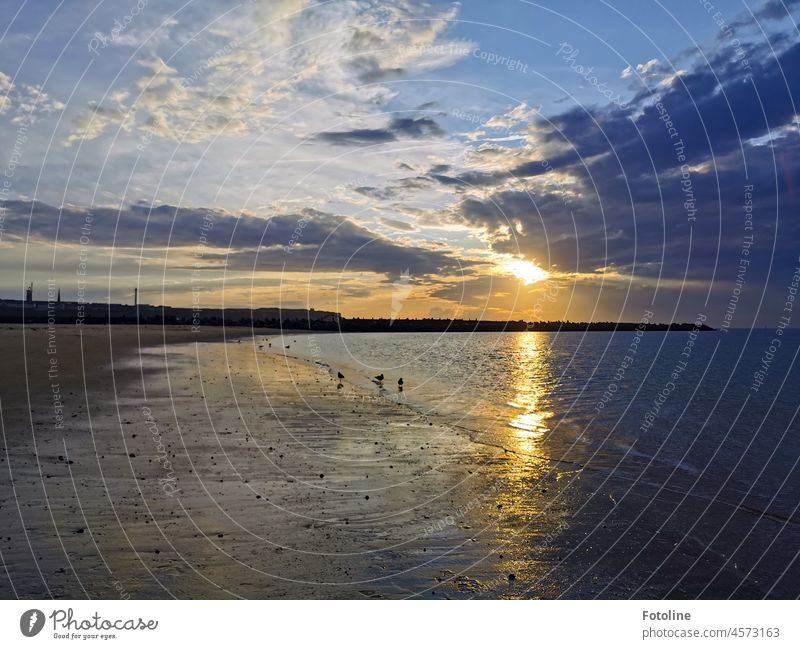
{"points": [[24, 99], [5, 82], [653, 70], [269, 58], [642, 69], [92, 123]]}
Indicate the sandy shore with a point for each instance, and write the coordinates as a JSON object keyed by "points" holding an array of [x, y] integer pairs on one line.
{"points": [[229, 470], [156, 464]]}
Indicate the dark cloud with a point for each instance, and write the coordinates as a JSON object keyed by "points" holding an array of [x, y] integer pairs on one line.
{"points": [[341, 253], [368, 69], [398, 225], [457, 182], [630, 195], [365, 64], [770, 10], [715, 108], [395, 188], [399, 128], [296, 242], [380, 193], [776, 9]]}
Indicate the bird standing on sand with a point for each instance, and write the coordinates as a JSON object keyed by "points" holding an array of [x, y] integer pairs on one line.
{"points": [[340, 375], [400, 381], [379, 377]]}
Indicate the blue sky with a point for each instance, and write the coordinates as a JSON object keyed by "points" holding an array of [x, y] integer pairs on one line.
{"points": [[343, 149]]}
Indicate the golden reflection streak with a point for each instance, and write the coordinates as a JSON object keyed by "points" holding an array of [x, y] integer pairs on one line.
{"points": [[530, 377], [523, 433]]}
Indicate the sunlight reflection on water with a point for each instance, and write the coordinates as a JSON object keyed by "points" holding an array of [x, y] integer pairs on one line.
{"points": [[531, 384]]}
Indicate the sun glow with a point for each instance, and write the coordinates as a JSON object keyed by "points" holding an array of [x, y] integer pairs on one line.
{"points": [[526, 271]]}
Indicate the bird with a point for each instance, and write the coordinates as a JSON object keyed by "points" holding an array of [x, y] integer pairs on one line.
{"points": [[287, 346], [339, 375], [400, 381], [379, 377]]}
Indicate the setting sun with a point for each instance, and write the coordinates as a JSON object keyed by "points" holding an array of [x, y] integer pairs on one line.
{"points": [[523, 270]]}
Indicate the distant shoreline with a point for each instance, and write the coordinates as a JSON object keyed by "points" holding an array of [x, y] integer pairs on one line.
{"points": [[53, 312], [414, 326], [481, 326]]}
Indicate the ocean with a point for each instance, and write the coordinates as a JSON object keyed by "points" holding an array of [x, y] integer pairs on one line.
{"points": [[646, 464]]}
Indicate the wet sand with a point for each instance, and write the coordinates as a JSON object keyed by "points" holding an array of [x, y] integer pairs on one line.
{"points": [[206, 470], [157, 464]]}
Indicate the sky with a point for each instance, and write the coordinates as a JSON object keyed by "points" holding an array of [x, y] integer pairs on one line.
{"points": [[505, 160]]}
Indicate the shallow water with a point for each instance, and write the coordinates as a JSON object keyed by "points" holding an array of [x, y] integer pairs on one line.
{"points": [[670, 474], [527, 454]]}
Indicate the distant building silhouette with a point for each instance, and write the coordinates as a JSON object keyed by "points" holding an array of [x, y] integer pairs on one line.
{"points": [[80, 313], [29, 293]]}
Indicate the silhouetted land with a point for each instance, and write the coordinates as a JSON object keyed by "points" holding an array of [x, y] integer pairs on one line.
{"points": [[438, 324], [80, 313]]}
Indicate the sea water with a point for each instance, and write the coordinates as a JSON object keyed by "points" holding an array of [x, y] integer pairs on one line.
{"points": [[676, 453]]}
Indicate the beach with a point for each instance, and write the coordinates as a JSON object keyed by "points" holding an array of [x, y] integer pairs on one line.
{"points": [[206, 470], [234, 463]]}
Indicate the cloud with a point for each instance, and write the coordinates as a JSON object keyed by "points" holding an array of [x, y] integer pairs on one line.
{"points": [[715, 108], [382, 193], [26, 101], [93, 123], [243, 71], [611, 186], [398, 128], [520, 114], [398, 225], [772, 10], [302, 242], [644, 70], [776, 9]]}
